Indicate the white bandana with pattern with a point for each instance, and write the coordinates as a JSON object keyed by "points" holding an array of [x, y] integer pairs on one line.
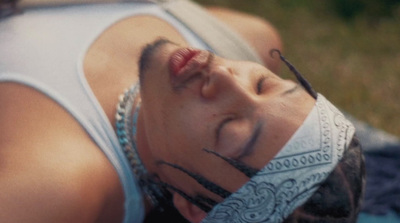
{"points": [[292, 177]]}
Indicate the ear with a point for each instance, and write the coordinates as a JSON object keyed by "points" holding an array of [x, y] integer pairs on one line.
{"points": [[188, 210]]}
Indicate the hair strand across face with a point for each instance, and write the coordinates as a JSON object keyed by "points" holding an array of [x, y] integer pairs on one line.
{"points": [[216, 189], [298, 75], [246, 170]]}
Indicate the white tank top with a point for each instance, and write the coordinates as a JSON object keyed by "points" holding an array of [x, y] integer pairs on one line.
{"points": [[44, 48]]}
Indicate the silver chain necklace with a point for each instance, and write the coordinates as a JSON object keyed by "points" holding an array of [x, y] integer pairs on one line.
{"points": [[126, 131]]}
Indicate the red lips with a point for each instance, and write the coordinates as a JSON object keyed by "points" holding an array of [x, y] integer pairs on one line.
{"points": [[180, 58], [186, 63]]}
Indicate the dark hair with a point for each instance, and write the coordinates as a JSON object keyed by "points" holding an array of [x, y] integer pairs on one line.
{"points": [[166, 210], [6, 2], [8, 7], [167, 214], [339, 197], [201, 201], [306, 85]]}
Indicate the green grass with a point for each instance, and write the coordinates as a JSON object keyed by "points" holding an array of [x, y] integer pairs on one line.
{"points": [[356, 64]]}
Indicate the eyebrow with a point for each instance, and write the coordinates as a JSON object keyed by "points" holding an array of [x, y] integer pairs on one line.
{"points": [[249, 147]]}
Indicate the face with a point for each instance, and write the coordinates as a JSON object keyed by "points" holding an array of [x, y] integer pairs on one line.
{"points": [[192, 99]]}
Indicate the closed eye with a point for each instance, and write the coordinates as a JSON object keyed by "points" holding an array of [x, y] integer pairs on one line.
{"points": [[260, 82]]}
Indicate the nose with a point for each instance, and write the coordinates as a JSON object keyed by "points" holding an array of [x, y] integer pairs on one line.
{"points": [[223, 82], [214, 80]]}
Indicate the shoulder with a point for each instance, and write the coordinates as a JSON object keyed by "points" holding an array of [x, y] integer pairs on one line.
{"points": [[50, 170]]}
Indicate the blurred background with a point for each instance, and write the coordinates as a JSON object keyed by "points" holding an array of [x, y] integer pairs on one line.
{"points": [[348, 49]]}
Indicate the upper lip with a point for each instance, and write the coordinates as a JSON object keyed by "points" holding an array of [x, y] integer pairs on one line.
{"points": [[184, 63]]}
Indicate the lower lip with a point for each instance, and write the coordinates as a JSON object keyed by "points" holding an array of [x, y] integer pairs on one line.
{"points": [[180, 58]]}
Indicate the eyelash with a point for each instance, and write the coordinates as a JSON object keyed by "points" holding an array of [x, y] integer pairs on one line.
{"points": [[260, 84]]}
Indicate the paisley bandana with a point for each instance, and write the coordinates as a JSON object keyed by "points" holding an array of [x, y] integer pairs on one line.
{"points": [[295, 173]]}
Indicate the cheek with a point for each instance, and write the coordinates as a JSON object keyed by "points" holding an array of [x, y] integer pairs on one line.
{"points": [[234, 137], [155, 127], [185, 135], [171, 133]]}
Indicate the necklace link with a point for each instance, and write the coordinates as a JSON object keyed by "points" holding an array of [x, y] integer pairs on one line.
{"points": [[129, 102]]}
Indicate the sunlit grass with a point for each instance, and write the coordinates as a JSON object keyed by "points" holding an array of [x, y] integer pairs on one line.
{"points": [[355, 64]]}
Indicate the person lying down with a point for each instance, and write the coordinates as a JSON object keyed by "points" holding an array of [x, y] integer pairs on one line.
{"points": [[280, 152], [216, 139]]}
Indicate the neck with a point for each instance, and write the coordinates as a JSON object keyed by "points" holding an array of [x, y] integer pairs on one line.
{"points": [[145, 154], [127, 128]]}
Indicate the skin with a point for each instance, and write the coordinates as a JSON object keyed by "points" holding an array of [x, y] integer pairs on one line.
{"points": [[242, 101], [57, 165]]}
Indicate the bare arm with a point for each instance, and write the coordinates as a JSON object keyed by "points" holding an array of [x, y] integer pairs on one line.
{"points": [[50, 171]]}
